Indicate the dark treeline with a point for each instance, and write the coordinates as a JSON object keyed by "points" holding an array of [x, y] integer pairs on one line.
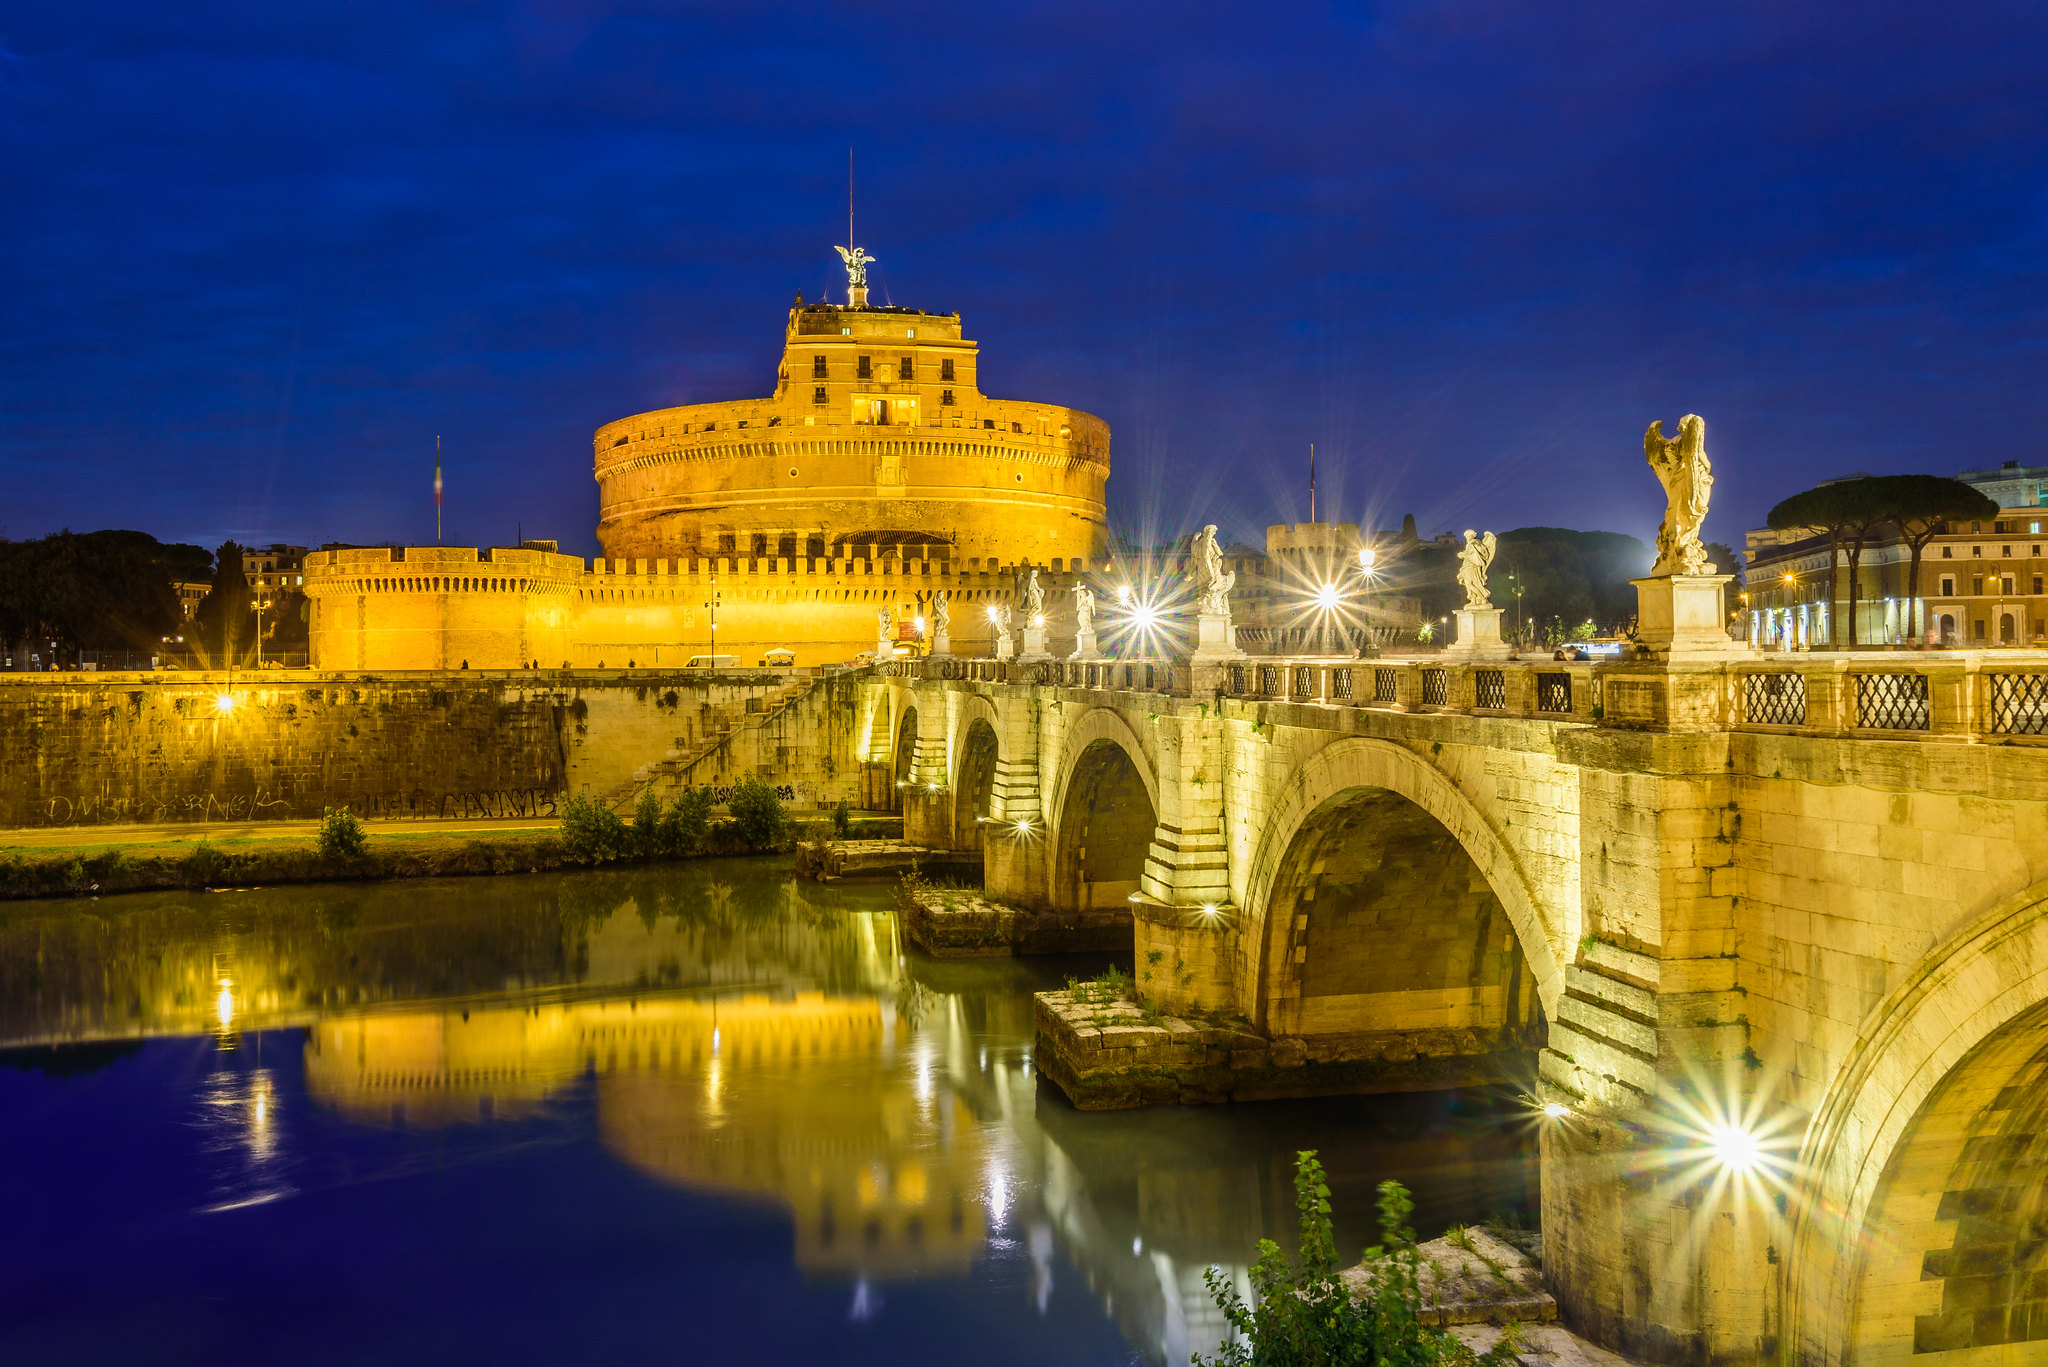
{"points": [[1570, 582], [108, 590]]}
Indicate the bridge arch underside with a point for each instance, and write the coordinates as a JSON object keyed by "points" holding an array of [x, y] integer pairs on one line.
{"points": [[1957, 1254], [974, 783], [905, 761], [1105, 831], [1922, 1184], [1386, 946]]}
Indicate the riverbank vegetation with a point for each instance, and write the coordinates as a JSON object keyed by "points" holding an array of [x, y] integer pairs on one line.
{"points": [[1303, 1311], [344, 849]]}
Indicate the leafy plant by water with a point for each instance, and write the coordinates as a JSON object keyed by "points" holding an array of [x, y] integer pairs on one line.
{"points": [[592, 833], [1304, 1314], [757, 814], [842, 820], [647, 822], [342, 835], [687, 821]]}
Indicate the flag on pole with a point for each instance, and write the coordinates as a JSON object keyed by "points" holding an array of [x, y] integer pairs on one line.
{"points": [[437, 490]]}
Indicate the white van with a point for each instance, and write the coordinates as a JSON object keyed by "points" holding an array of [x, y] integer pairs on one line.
{"points": [[780, 657], [713, 662]]}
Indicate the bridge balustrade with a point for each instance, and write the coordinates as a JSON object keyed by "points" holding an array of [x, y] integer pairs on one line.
{"points": [[1512, 688], [1956, 697], [2002, 695]]}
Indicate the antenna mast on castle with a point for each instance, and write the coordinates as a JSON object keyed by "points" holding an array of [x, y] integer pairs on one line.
{"points": [[1311, 481]]}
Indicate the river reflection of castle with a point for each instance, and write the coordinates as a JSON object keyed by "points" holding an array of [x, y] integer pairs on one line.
{"points": [[790, 1098], [747, 1036]]}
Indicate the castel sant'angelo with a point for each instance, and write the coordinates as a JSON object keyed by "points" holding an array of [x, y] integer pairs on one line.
{"points": [[876, 474]]}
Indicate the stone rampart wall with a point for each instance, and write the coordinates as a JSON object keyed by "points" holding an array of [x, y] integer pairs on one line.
{"points": [[85, 750]]}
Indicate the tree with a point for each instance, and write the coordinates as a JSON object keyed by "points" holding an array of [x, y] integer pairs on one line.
{"points": [[1922, 506], [757, 812], [100, 590], [226, 619], [1845, 510], [1568, 577]]}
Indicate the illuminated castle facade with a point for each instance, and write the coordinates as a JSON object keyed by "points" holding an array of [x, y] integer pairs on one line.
{"points": [[875, 474]]}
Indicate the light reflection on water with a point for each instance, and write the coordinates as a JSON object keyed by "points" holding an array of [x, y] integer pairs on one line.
{"points": [[721, 1029]]}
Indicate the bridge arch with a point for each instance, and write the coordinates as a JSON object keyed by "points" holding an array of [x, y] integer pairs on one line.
{"points": [[1103, 812], [1931, 1140], [1340, 782], [976, 752], [903, 756]]}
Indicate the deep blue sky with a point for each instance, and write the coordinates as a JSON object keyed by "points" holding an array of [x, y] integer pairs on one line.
{"points": [[253, 258]]}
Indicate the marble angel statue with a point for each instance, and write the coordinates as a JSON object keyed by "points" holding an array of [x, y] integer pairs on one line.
{"points": [[1688, 478]]}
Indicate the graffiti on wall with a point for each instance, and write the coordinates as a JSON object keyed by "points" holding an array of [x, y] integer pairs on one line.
{"points": [[265, 805]]}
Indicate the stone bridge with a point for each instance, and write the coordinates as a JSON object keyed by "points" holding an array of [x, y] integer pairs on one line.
{"points": [[1772, 926]]}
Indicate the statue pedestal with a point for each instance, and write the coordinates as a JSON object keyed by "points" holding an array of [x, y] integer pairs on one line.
{"points": [[885, 649], [1085, 647], [1034, 645], [1478, 635], [942, 644], [1680, 614], [1006, 646], [1215, 637]]}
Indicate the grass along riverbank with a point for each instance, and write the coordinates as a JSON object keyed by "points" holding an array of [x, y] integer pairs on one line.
{"points": [[96, 866]]}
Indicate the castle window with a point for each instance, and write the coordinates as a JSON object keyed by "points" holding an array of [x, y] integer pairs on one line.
{"points": [[817, 367], [989, 423], [760, 544], [1948, 552], [2037, 583], [1948, 586], [867, 369], [786, 547], [1016, 427], [946, 370], [814, 547], [946, 401], [743, 422], [906, 370], [725, 543], [775, 422], [818, 394]]}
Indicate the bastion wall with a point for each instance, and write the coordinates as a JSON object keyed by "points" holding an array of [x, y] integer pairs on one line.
{"points": [[86, 750]]}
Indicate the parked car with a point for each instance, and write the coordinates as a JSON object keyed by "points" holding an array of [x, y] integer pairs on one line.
{"points": [[713, 662]]}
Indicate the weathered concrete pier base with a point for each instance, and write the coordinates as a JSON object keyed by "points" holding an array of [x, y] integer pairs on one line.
{"points": [[959, 923], [1113, 1055], [829, 861]]}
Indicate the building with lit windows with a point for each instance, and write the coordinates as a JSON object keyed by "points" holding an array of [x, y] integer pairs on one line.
{"points": [[1982, 583]]}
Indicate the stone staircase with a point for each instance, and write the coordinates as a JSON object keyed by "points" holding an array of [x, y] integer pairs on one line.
{"points": [[674, 769]]}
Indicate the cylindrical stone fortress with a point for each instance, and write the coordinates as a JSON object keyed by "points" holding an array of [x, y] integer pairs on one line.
{"points": [[877, 433]]}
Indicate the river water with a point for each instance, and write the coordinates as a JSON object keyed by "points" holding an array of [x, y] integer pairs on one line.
{"points": [[703, 1111]]}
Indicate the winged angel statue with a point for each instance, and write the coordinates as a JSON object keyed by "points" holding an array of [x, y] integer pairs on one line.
{"points": [[857, 263], [1688, 478], [1473, 563]]}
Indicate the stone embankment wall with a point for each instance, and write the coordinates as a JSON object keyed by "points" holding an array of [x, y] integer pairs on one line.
{"points": [[84, 750]]}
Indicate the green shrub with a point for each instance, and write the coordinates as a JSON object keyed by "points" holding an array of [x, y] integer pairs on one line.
{"points": [[687, 821], [647, 822], [592, 832], [842, 819], [205, 865], [757, 813], [1304, 1312], [342, 835]]}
